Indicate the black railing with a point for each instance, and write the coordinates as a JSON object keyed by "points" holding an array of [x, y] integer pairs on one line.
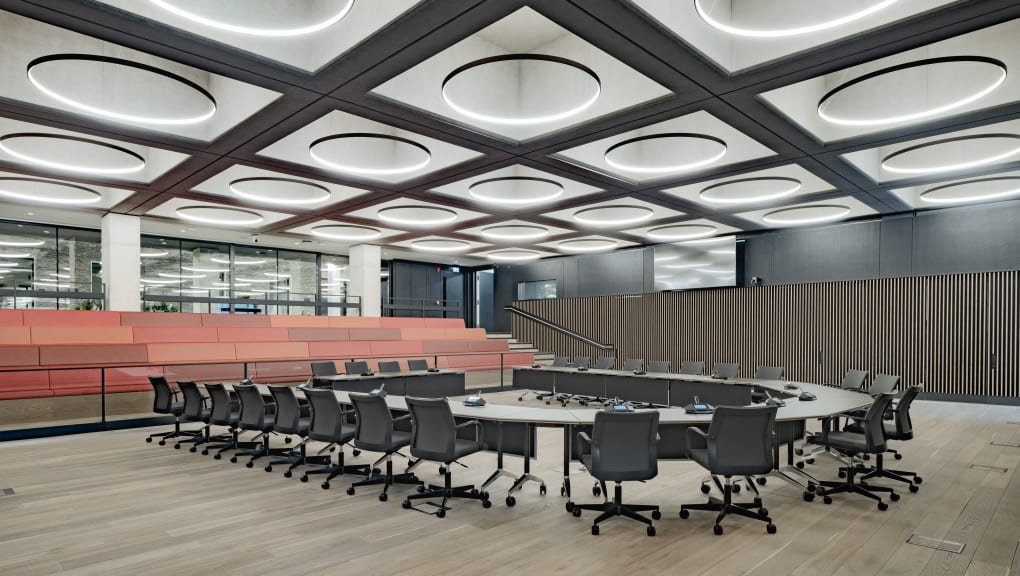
{"points": [[560, 329], [70, 297], [421, 306]]}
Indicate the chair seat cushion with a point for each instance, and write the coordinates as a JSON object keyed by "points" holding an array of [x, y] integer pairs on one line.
{"points": [[464, 447], [399, 439], [177, 408], [700, 456], [848, 441]]}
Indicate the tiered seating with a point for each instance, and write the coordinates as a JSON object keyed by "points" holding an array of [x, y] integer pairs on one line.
{"points": [[84, 340]]}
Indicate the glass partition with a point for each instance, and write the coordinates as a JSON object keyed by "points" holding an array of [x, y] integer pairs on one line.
{"points": [[48, 267]]}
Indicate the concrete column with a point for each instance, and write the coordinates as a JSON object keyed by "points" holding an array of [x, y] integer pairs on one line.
{"points": [[365, 278], [122, 244]]}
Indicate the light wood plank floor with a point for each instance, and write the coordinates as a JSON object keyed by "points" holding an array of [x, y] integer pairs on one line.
{"points": [[111, 504]]}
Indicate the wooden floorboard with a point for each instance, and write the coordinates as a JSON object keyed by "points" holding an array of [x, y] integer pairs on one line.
{"points": [[108, 503]]}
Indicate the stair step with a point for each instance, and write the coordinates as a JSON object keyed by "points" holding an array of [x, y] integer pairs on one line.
{"points": [[498, 336]]}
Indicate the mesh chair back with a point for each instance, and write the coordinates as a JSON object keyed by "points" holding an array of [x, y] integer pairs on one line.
{"points": [[661, 366], [884, 384], [581, 361], [417, 365], [434, 431], [374, 431], [692, 367], [355, 368], [769, 373], [741, 440], [874, 430], [726, 370], [222, 408], [904, 427], [327, 416], [854, 379], [605, 363], [163, 398], [323, 369], [633, 364], [389, 366], [288, 412], [192, 400], [253, 407], [624, 446], [560, 361]]}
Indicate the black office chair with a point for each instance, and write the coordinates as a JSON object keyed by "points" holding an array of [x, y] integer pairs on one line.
{"points": [[389, 367], [871, 440], [258, 416], [225, 411], [692, 367], [417, 365], [560, 361], [605, 363], [164, 401], [291, 421], [740, 442], [901, 428], [726, 370], [884, 384], [323, 369], [375, 433], [582, 361], [758, 394], [356, 368], [659, 366], [434, 438], [634, 364], [330, 424], [622, 447], [194, 411], [854, 380]]}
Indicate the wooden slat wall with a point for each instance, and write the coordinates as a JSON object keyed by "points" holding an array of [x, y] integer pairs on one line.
{"points": [[939, 330]]}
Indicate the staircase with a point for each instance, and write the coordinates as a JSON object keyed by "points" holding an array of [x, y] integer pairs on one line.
{"points": [[518, 346]]}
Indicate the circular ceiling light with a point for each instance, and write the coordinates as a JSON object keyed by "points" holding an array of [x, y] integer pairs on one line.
{"points": [[156, 281], [209, 270], [665, 153], [368, 154], [681, 232], [78, 73], [574, 89], [785, 32], [806, 214], [516, 190], [344, 8], [284, 191], [22, 243], [182, 276], [515, 232], [8, 265], [238, 261], [51, 285], [349, 232], [613, 215], [514, 255], [587, 245], [440, 245], [276, 275], [965, 152], [156, 254], [258, 280], [219, 216], [863, 90], [973, 190], [47, 191], [750, 190], [18, 255], [417, 216], [68, 152]]}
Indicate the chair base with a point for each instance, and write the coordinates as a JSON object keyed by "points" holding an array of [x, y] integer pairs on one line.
{"points": [[262, 449], [448, 491], [387, 479], [618, 508], [880, 471], [725, 507], [853, 486]]}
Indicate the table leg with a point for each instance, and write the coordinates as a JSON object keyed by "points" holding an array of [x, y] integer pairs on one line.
{"points": [[500, 472], [527, 476]]}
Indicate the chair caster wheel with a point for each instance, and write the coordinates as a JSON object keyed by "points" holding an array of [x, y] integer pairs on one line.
{"points": [[570, 506], [898, 456], [205, 452], [883, 506], [286, 440], [717, 529], [812, 487], [650, 530], [406, 504], [841, 473], [656, 515], [705, 488], [685, 514], [162, 442], [542, 490], [511, 501], [736, 488], [193, 449], [233, 459], [918, 480], [249, 464], [520, 399], [810, 460], [148, 440], [761, 481], [441, 513], [576, 512], [799, 451], [827, 500], [486, 503], [442, 470], [809, 497], [269, 468], [421, 489], [596, 491], [288, 474], [865, 456], [383, 497], [563, 491], [177, 446], [763, 512], [894, 496], [303, 478], [350, 491], [799, 465], [771, 528], [355, 452], [914, 488], [217, 456], [595, 530], [325, 485]]}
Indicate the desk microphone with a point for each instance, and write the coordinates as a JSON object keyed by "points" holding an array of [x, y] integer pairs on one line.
{"points": [[475, 400], [380, 391], [773, 401]]}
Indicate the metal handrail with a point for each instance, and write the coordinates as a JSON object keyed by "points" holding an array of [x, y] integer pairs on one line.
{"points": [[559, 329]]}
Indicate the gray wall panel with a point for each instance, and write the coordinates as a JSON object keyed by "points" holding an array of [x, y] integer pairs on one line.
{"points": [[841, 252], [895, 258], [982, 238]]}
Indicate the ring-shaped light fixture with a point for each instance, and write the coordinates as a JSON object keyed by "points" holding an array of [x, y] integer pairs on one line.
{"points": [[584, 216], [365, 171], [158, 281], [555, 190], [716, 192], [299, 192], [250, 31], [17, 255], [676, 232], [133, 162], [112, 114], [617, 164], [62, 192], [219, 215], [786, 32], [464, 110], [156, 254], [209, 270], [922, 114], [440, 245], [515, 232], [349, 232], [902, 168], [514, 255], [181, 276], [931, 195], [398, 215], [587, 245], [785, 216], [238, 261], [22, 243]]}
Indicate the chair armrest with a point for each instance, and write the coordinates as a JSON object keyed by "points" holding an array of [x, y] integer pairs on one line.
{"points": [[404, 417], [584, 444], [696, 436], [476, 424]]}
